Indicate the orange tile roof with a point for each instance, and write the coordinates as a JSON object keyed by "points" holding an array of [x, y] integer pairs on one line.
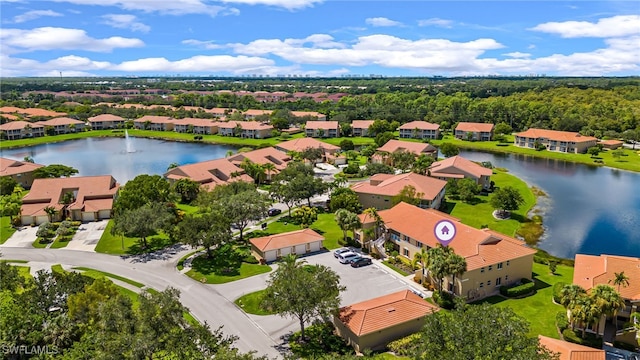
{"points": [[105, 117], [590, 270], [611, 142], [305, 143], [414, 147], [49, 192], [10, 167], [263, 156], [9, 116], [209, 173], [361, 124], [10, 109], [325, 125], [384, 312], [571, 351], [448, 166], [479, 247], [30, 111], [288, 239], [474, 127], [391, 185], [252, 112], [420, 125], [307, 113], [555, 135], [19, 125], [245, 125], [60, 121]]}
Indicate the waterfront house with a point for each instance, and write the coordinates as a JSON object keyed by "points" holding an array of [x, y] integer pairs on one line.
{"points": [[85, 198], [299, 145], [322, 129], [209, 173], [378, 192], [19, 129], [419, 130], [552, 140], [196, 126], [493, 259], [268, 155], [245, 129], [611, 144], [20, 171], [457, 167], [106, 121], [273, 247], [393, 145], [474, 131], [361, 127], [155, 123], [63, 125], [374, 323]]}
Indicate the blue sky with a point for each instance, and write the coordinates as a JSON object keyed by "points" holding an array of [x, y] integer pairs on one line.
{"points": [[319, 37]]}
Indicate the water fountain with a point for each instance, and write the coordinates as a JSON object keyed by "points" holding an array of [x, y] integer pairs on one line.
{"points": [[128, 143]]}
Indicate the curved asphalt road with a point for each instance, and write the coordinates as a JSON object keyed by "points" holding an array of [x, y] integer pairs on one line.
{"points": [[159, 271]]}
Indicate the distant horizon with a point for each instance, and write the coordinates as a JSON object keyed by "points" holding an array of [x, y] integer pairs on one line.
{"points": [[344, 77], [319, 38]]}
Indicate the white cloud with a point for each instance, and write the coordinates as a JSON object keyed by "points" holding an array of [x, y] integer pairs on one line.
{"points": [[171, 7], [209, 45], [518, 55], [200, 63], [54, 38], [287, 4], [382, 22], [531, 46], [436, 22], [34, 14], [125, 21], [616, 26]]}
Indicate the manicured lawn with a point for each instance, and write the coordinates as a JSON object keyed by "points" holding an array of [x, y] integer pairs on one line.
{"points": [[325, 225], [5, 144], [99, 274], [180, 264], [214, 139], [250, 303], [539, 309], [481, 213], [40, 245], [6, 230], [58, 269], [392, 267], [121, 245], [357, 141], [210, 270], [58, 244]]}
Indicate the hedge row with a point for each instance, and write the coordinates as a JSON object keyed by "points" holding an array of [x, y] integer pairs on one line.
{"points": [[527, 286], [557, 288]]}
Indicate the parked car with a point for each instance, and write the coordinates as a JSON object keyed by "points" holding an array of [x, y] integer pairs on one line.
{"points": [[340, 251], [362, 261], [354, 259], [345, 257], [274, 212]]}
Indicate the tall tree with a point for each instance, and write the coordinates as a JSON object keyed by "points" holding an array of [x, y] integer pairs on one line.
{"points": [[408, 194], [456, 266], [141, 222], [620, 279], [403, 160], [210, 230], [607, 300], [449, 149], [54, 171], [347, 220], [421, 258], [345, 198], [305, 216], [422, 164], [467, 189], [187, 189], [312, 154], [303, 292], [506, 199], [141, 190], [243, 208], [7, 185]]}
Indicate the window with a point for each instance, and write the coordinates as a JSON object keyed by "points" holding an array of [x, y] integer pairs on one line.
{"points": [[482, 270], [506, 278], [490, 267], [498, 281], [499, 266], [405, 252], [481, 284], [489, 283], [419, 245], [507, 262]]}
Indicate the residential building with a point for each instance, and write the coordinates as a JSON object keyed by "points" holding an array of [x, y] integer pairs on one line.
{"points": [[374, 323], [209, 173], [315, 114], [571, 351], [474, 131], [298, 145], [20, 171], [552, 140], [611, 144], [220, 112], [493, 259], [378, 192], [90, 198], [398, 145], [273, 247], [457, 167], [361, 127], [245, 129], [63, 125], [252, 114], [106, 121], [196, 126], [268, 155], [30, 112], [322, 129], [155, 123], [419, 130], [21, 129]]}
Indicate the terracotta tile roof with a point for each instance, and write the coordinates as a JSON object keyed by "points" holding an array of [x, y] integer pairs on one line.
{"points": [[325, 125], [9, 116], [288, 239], [474, 127], [611, 142], [60, 121], [19, 125], [307, 113], [384, 312], [391, 185], [263, 156], [555, 135], [361, 124], [196, 122], [209, 173], [305, 143], [590, 270], [414, 147], [10, 109], [479, 247], [10, 167], [105, 117], [31, 111], [420, 125], [252, 112], [571, 351], [456, 164], [245, 125], [155, 119], [49, 192]]}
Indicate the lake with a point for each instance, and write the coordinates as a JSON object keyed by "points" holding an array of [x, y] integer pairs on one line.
{"points": [[122, 158], [588, 210]]}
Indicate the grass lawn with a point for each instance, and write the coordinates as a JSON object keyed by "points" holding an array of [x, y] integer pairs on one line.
{"points": [[6, 144], [122, 245], [58, 244], [325, 225], [40, 245], [204, 268], [357, 140], [539, 309], [6, 230], [480, 213], [392, 267], [250, 303], [180, 265], [98, 274]]}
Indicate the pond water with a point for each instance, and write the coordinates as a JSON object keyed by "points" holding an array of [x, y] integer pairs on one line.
{"points": [[588, 210], [122, 158]]}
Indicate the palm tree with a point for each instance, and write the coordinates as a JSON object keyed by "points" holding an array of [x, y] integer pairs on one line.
{"points": [[228, 153], [620, 279], [269, 168], [607, 299], [438, 265], [421, 258], [373, 214], [586, 311], [456, 265], [569, 295], [51, 211]]}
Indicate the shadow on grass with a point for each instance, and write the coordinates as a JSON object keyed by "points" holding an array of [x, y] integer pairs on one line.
{"points": [[153, 244], [223, 262], [447, 207], [539, 283], [495, 299], [476, 201], [319, 231]]}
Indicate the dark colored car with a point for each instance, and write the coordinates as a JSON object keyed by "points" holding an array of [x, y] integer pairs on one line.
{"points": [[274, 212], [363, 261]]}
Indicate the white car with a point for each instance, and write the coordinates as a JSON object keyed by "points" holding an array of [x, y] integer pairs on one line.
{"points": [[342, 250], [345, 257]]}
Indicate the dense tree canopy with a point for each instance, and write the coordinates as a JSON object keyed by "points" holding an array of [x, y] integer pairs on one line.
{"points": [[54, 171], [141, 190]]}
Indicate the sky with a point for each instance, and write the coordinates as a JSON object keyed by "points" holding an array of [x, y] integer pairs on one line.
{"points": [[319, 38]]}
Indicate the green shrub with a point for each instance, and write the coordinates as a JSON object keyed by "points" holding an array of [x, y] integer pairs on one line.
{"points": [[526, 287], [250, 259], [561, 321], [589, 340], [400, 346], [557, 287], [321, 340], [444, 299]]}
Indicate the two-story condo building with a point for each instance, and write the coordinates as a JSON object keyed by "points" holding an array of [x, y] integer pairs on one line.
{"points": [[379, 190], [196, 126], [493, 259], [106, 121], [245, 129], [156, 123], [419, 130], [209, 173], [361, 127], [552, 140], [268, 155], [252, 114], [474, 131], [315, 114], [63, 125], [457, 167], [322, 129], [19, 129], [394, 145], [20, 171]]}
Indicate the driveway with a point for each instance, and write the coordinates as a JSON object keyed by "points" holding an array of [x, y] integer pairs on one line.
{"points": [[87, 236], [23, 237]]}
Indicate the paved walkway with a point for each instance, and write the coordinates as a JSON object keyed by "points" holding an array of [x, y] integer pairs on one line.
{"points": [[87, 236], [23, 237]]}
